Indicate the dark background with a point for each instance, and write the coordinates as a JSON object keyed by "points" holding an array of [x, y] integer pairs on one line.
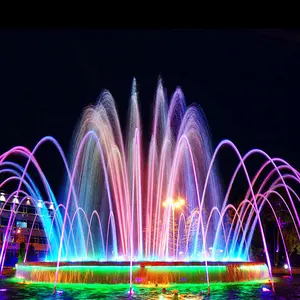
{"points": [[247, 82]]}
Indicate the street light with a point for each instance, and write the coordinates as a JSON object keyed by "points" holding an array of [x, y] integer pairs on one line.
{"points": [[174, 204], [181, 201], [40, 204], [51, 206]]}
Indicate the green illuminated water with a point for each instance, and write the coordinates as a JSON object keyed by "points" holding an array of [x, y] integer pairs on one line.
{"points": [[16, 289]]}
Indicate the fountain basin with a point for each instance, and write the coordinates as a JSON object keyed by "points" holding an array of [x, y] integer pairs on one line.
{"points": [[143, 272]]}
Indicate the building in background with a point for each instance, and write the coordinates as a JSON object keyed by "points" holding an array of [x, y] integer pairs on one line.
{"points": [[26, 218]]}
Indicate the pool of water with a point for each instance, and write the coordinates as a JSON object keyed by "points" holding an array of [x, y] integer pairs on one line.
{"points": [[286, 288]]}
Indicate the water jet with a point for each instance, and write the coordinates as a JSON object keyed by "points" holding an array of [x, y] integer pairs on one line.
{"points": [[136, 216]]}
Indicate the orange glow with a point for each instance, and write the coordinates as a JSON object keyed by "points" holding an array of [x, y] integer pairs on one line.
{"points": [[181, 201], [174, 204], [170, 201]]}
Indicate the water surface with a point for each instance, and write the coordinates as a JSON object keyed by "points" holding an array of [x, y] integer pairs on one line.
{"points": [[286, 288]]}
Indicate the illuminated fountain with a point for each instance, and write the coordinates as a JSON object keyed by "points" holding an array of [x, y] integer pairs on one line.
{"points": [[127, 215]]}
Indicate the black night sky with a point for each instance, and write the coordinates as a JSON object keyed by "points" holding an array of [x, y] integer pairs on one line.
{"points": [[247, 82]]}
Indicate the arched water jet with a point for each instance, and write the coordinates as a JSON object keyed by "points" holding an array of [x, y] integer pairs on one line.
{"points": [[114, 181]]}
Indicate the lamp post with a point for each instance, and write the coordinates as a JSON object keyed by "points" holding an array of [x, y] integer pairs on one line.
{"points": [[174, 204]]}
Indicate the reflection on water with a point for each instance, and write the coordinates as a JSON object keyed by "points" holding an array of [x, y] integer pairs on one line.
{"points": [[286, 288]]}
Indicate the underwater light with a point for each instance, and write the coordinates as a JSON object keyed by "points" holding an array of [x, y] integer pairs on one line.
{"points": [[131, 291], [225, 259]]}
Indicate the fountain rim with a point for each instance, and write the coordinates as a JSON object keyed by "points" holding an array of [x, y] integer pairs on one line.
{"points": [[141, 263]]}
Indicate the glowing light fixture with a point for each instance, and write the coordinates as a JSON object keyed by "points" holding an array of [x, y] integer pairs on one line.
{"points": [[2, 197], [16, 200], [225, 259], [51, 206], [40, 204], [286, 266], [181, 201], [174, 204], [170, 201], [28, 201], [131, 291]]}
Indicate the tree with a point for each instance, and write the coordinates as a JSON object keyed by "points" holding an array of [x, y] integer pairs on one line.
{"points": [[290, 236], [21, 252], [291, 240]]}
